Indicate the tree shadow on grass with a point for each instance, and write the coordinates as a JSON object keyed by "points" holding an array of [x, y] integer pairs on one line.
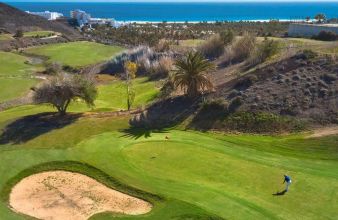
{"points": [[161, 116], [165, 113], [281, 193], [136, 133], [32, 126], [209, 117]]}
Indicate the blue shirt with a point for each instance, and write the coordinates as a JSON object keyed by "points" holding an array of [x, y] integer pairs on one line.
{"points": [[287, 178]]}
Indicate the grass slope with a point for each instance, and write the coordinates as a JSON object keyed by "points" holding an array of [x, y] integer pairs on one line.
{"points": [[38, 33], [112, 96], [13, 65], [6, 37], [76, 54], [15, 76], [196, 174], [14, 88]]}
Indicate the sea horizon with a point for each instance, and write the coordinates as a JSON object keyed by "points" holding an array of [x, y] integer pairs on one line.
{"points": [[143, 12]]}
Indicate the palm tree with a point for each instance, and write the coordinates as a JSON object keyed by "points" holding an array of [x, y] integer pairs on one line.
{"points": [[190, 74]]}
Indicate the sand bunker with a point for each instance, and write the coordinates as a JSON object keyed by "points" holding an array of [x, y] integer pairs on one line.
{"points": [[65, 195], [322, 132]]}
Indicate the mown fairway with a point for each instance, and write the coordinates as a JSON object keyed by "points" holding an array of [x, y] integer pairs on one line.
{"points": [[6, 37], [76, 54], [113, 96], [197, 174], [15, 76], [39, 33]]}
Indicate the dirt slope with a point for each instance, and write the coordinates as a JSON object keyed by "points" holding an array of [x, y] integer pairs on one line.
{"points": [[12, 19], [301, 86]]}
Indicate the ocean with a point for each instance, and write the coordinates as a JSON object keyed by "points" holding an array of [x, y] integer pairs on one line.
{"points": [[192, 12]]}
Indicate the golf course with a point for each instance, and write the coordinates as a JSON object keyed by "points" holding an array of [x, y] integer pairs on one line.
{"points": [[17, 69], [189, 175], [92, 161]]}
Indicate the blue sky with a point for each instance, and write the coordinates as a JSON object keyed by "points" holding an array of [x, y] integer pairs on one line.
{"points": [[168, 1]]}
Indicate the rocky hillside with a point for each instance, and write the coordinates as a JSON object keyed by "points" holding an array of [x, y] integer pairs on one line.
{"points": [[304, 85], [12, 19]]}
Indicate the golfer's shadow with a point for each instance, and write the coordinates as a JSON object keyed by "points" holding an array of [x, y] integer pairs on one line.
{"points": [[281, 193]]}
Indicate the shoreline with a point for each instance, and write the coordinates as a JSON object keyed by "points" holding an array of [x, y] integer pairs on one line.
{"points": [[211, 22]]}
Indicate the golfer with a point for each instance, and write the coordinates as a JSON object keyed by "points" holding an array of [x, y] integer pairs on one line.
{"points": [[287, 179]]}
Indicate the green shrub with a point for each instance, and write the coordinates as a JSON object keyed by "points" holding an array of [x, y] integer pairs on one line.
{"points": [[227, 37], [18, 34], [235, 104], [261, 122], [326, 36], [246, 82], [215, 105], [309, 54]]}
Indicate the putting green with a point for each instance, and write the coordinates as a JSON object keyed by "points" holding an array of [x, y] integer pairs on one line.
{"points": [[233, 180]]}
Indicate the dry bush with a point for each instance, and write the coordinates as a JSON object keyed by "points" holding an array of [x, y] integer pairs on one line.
{"points": [[263, 51], [141, 55], [242, 48], [213, 47], [161, 67], [53, 68], [162, 46], [143, 63]]}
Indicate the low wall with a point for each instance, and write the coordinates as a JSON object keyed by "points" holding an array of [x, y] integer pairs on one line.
{"points": [[309, 30]]}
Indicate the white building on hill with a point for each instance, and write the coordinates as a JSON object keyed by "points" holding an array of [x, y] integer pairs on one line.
{"points": [[81, 17], [309, 30], [47, 14]]}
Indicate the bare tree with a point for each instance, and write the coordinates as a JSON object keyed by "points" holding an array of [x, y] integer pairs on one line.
{"points": [[63, 88]]}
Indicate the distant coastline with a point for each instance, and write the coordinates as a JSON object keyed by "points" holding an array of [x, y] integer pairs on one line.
{"points": [[151, 12], [196, 22]]}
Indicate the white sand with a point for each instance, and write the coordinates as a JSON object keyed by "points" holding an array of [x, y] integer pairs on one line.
{"points": [[321, 132], [60, 195]]}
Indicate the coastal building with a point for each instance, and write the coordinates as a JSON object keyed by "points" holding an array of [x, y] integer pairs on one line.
{"points": [[309, 30], [84, 18], [47, 14], [81, 17]]}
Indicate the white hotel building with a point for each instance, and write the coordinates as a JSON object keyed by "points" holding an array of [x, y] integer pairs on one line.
{"points": [[47, 14]]}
